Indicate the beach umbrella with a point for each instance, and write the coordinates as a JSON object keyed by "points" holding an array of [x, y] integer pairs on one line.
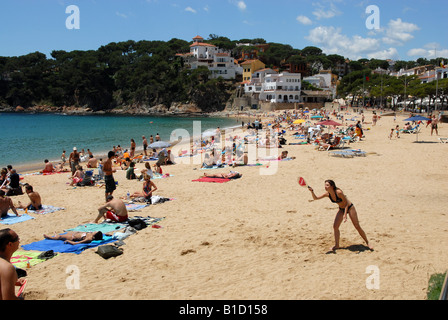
{"points": [[329, 123], [417, 118], [298, 121], [159, 145], [316, 117]]}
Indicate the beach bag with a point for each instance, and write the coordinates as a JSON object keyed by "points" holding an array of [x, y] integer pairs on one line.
{"points": [[137, 224], [109, 251]]}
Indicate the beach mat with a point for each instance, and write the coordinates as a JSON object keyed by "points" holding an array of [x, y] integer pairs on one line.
{"points": [[61, 247], [135, 206], [11, 218], [95, 227], [45, 209], [20, 259], [216, 180]]}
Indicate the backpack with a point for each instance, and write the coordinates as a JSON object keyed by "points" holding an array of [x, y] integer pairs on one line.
{"points": [[137, 224], [109, 251]]}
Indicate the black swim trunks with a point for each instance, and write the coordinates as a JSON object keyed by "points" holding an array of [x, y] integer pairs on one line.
{"points": [[110, 184], [31, 207]]}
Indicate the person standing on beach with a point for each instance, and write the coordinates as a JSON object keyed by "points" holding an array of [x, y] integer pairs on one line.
{"points": [[9, 243], [63, 157], [434, 124], [108, 174], [345, 207], [132, 153], [145, 145], [73, 160]]}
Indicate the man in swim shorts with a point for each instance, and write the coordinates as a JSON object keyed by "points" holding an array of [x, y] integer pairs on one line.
{"points": [[114, 210], [35, 200], [108, 174]]}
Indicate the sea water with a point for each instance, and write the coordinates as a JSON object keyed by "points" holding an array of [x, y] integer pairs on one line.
{"points": [[29, 139]]}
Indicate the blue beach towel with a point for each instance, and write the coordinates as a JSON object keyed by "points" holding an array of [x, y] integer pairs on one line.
{"points": [[60, 246], [11, 218]]}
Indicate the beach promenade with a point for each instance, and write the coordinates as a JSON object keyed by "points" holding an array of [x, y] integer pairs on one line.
{"points": [[259, 237]]}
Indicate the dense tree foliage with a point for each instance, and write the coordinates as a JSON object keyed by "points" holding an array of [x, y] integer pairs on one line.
{"points": [[149, 73]]}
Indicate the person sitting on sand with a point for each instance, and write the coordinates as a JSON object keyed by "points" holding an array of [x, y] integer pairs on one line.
{"points": [[93, 162], [114, 210], [48, 167], [12, 185], [284, 156], [130, 174], [73, 237], [148, 188], [345, 207], [146, 170], [230, 175], [6, 204], [35, 199], [77, 176]]}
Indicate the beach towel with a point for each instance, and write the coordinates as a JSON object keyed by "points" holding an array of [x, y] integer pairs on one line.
{"points": [[45, 209], [11, 218], [104, 227], [20, 259], [135, 206], [149, 221], [60, 246], [208, 179]]}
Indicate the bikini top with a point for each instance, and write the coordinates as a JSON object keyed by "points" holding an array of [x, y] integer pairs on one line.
{"points": [[337, 198]]}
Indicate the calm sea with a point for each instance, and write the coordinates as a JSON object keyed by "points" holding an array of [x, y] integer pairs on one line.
{"points": [[29, 139]]}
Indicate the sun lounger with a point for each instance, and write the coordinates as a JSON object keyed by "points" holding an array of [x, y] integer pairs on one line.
{"points": [[341, 153], [443, 140]]}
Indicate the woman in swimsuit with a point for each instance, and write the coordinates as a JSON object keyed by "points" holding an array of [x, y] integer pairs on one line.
{"points": [[148, 188], [72, 237], [345, 207]]}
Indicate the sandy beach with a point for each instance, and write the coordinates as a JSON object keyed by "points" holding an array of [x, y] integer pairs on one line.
{"points": [[259, 237]]}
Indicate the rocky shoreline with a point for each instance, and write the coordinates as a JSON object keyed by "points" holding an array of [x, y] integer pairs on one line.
{"points": [[176, 109]]}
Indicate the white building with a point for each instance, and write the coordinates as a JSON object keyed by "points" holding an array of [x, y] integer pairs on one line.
{"points": [[255, 86], [283, 87], [218, 61]]}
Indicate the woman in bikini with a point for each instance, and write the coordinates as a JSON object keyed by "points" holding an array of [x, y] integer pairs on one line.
{"points": [[72, 237], [345, 207], [148, 188]]}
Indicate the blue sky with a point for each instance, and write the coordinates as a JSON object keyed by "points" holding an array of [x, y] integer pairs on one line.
{"points": [[408, 29]]}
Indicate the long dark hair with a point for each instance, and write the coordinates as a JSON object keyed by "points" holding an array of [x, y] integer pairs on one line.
{"points": [[331, 183]]}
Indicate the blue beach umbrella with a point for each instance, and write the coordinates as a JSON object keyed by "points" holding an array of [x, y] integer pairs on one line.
{"points": [[417, 118]]}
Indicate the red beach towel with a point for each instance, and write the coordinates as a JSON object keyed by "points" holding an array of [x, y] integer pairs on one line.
{"points": [[208, 179]]}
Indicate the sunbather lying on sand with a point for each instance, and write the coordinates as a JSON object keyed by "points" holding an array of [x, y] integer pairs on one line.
{"points": [[230, 175], [73, 237]]}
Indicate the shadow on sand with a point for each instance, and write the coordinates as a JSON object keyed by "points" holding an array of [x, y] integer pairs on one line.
{"points": [[358, 248]]}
